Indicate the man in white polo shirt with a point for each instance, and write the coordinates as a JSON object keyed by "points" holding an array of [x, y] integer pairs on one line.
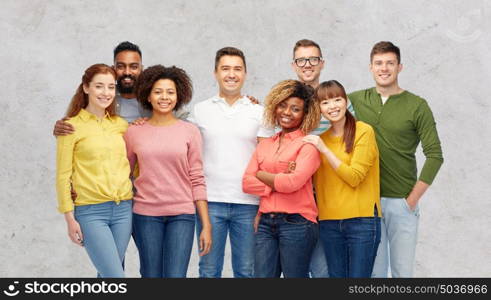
{"points": [[230, 125]]}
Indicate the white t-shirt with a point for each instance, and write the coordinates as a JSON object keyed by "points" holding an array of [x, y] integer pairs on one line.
{"points": [[384, 99], [229, 140]]}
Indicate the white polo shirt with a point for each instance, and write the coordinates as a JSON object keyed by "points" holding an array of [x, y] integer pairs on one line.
{"points": [[229, 140]]}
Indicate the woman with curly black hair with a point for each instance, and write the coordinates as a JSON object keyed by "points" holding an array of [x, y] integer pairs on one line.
{"points": [[280, 171], [171, 185]]}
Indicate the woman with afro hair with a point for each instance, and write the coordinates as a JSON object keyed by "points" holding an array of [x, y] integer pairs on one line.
{"points": [[170, 186]]}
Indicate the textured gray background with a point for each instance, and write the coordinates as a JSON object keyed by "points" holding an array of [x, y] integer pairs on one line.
{"points": [[46, 45]]}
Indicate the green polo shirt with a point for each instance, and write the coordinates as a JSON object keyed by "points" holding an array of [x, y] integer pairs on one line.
{"points": [[400, 124]]}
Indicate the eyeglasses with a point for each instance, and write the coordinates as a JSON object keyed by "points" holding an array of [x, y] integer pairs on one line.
{"points": [[302, 61]]}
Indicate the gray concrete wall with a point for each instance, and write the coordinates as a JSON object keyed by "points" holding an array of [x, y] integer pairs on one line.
{"points": [[46, 45]]}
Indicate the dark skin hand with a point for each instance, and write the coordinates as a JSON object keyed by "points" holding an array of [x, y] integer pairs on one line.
{"points": [[253, 99], [73, 194], [139, 121], [63, 128], [268, 179]]}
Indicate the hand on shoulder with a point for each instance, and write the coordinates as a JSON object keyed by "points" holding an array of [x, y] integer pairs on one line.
{"points": [[62, 127], [139, 121], [316, 141]]}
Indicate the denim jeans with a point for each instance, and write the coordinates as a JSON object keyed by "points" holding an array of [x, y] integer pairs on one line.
{"points": [[350, 246], [237, 220], [318, 263], [284, 243], [398, 242], [106, 229], [164, 244]]}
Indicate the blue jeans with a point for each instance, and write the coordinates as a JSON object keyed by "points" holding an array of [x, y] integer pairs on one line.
{"points": [[106, 229], [350, 246], [238, 221], [164, 244], [318, 263], [399, 237], [284, 243]]}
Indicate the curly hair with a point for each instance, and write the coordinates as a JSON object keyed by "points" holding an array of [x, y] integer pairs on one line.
{"points": [[292, 88], [151, 75], [81, 99]]}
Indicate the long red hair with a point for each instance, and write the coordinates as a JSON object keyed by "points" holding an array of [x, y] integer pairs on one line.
{"points": [[80, 99], [332, 89]]}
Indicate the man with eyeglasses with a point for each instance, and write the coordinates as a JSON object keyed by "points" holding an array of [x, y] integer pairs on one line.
{"points": [[308, 64]]}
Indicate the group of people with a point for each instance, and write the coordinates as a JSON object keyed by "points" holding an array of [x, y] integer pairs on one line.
{"points": [[315, 183]]}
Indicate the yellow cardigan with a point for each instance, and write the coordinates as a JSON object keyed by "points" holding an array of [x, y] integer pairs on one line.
{"points": [[353, 188]]}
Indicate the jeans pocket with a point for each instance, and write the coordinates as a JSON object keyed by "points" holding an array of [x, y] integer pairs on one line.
{"points": [[414, 212], [295, 219], [83, 209], [364, 224]]}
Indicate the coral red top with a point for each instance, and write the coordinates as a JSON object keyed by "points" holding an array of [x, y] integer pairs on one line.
{"points": [[292, 191]]}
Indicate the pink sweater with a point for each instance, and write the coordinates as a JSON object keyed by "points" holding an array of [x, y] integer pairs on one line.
{"points": [[171, 170]]}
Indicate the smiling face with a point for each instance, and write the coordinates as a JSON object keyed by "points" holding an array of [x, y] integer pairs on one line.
{"points": [[128, 66], [163, 96], [308, 74], [334, 109], [101, 91], [230, 75], [290, 113], [385, 68]]}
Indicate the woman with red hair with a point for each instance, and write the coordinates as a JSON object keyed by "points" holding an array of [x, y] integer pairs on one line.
{"points": [[93, 162]]}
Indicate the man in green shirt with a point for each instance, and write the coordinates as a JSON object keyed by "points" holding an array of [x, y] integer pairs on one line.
{"points": [[401, 121]]}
